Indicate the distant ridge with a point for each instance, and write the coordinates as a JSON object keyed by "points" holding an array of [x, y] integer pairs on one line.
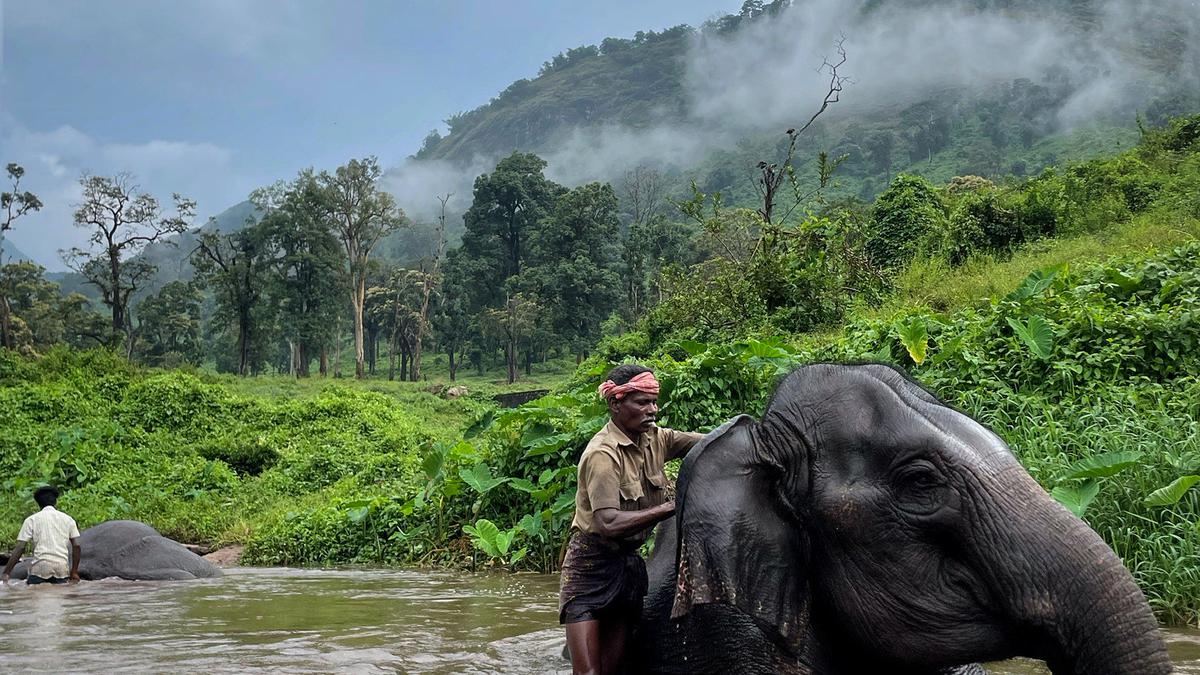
{"points": [[9, 253]]}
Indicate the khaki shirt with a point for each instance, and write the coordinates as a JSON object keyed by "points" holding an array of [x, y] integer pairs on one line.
{"points": [[50, 531], [616, 473]]}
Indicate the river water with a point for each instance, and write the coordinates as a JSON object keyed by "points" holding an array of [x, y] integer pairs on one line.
{"points": [[315, 621]]}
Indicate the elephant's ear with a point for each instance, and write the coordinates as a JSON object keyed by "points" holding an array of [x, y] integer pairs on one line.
{"points": [[738, 543]]}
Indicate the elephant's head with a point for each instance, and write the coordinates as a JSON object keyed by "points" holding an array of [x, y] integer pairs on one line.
{"points": [[864, 515]]}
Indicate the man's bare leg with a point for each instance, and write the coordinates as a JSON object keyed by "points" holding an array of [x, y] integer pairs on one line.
{"points": [[614, 633], [583, 640]]}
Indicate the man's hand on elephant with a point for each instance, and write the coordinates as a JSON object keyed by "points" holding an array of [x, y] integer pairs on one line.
{"points": [[74, 578]]}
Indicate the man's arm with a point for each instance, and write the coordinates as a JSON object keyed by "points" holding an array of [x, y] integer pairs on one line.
{"points": [[12, 561], [76, 552], [680, 442], [615, 523]]}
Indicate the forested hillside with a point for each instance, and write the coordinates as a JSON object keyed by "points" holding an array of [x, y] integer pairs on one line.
{"points": [[1115, 60]]}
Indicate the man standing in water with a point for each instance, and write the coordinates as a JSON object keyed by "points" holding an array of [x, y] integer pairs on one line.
{"points": [[621, 496], [52, 533]]}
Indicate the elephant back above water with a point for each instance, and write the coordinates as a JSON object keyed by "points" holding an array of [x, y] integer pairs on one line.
{"points": [[131, 550]]}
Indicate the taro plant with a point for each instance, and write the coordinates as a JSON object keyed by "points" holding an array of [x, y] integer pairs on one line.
{"points": [[1085, 475], [495, 543]]}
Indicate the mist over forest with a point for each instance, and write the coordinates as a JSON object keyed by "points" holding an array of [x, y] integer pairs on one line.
{"points": [[741, 77]]}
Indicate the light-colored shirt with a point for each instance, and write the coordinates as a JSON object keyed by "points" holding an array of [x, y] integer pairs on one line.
{"points": [[616, 473], [50, 532]]}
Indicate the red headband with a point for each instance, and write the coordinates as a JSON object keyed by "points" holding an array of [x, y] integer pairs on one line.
{"points": [[640, 382]]}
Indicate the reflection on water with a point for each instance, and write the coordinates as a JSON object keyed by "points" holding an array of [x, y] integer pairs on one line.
{"points": [[302, 621]]}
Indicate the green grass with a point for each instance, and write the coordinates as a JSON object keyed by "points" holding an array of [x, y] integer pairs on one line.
{"points": [[933, 284]]}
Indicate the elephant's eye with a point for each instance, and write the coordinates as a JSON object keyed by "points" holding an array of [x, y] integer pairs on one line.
{"points": [[920, 487]]}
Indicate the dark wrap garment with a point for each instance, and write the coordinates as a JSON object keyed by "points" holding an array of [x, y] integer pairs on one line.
{"points": [[600, 578]]}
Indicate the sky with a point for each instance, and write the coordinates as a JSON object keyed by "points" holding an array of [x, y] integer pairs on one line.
{"points": [[214, 99]]}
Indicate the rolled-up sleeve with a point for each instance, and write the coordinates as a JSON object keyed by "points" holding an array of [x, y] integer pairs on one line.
{"points": [[679, 442], [602, 478]]}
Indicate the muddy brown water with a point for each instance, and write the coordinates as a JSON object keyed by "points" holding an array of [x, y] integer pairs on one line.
{"points": [[283, 620]]}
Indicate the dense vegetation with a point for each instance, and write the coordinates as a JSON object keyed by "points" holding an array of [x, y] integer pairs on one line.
{"points": [[1060, 309]]}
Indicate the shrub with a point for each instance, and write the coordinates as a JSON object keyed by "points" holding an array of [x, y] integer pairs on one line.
{"points": [[904, 218]]}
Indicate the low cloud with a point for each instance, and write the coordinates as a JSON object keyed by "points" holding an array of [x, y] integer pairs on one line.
{"points": [[768, 76], [54, 161]]}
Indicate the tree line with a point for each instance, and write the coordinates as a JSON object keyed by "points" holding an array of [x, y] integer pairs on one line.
{"points": [[542, 270]]}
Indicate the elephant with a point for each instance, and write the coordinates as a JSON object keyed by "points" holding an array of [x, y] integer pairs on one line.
{"points": [[132, 550], [862, 526]]}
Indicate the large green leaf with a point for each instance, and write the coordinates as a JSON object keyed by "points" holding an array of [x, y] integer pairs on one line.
{"points": [[533, 524], [691, 347], [766, 350], [480, 478], [565, 502], [1128, 284], [1101, 466], [915, 337], [485, 535], [480, 425], [1036, 334], [1076, 497], [1036, 282], [1170, 494]]}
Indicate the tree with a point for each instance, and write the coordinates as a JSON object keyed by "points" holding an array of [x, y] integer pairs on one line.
{"points": [[234, 265], [395, 308], [451, 317], [643, 189], [41, 316], [122, 222], [902, 220], [507, 205], [510, 325], [306, 266], [14, 204], [772, 175], [648, 247], [879, 146], [169, 326], [361, 214], [428, 283], [572, 264]]}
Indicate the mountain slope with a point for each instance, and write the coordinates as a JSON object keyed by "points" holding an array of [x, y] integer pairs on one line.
{"points": [[9, 253]]}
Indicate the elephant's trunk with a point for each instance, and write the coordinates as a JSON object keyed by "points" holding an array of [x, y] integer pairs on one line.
{"points": [[1069, 591]]}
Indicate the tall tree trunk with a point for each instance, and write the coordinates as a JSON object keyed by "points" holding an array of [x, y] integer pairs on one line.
{"points": [[114, 278], [372, 350], [416, 357], [6, 336], [510, 360], [403, 364], [293, 359], [324, 367], [244, 342], [337, 345], [528, 363], [453, 364], [392, 355], [301, 359], [360, 298]]}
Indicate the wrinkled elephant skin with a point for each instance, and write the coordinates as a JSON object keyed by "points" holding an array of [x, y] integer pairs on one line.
{"points": [[864, 527], [131, 550]]}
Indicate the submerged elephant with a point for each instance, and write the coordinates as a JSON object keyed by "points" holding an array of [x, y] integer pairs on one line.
{"points": [[131, 550], [864, 527]]}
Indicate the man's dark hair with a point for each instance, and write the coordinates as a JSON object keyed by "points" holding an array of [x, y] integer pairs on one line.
{"points": [[626, 372], [47, 495]]}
